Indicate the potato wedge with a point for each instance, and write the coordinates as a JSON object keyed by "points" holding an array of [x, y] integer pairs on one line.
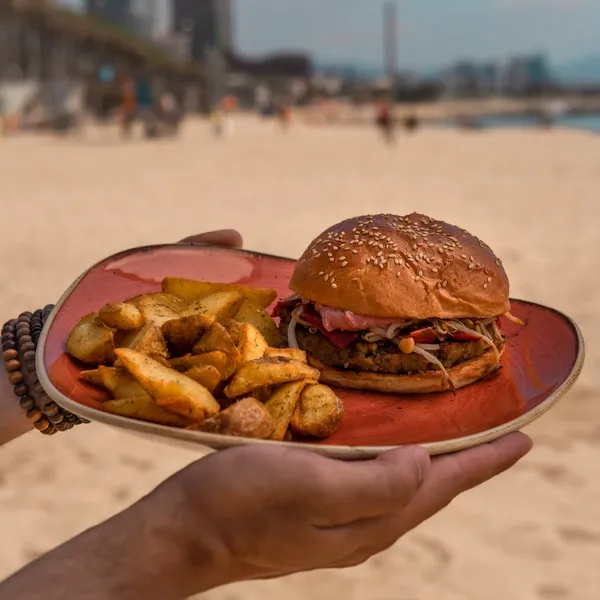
{"points": [[164, 384], [154, 311], [263, 394], [185, 331], [92, 342], [144, 408], [120, 383], [318, 412], [265, 372], [254, 314], [281, 406], [121, 315], [92, 377], [195, 290], [290, 353], [175, 303], [217, 338], [187, 362], [233, 328], [149, 340], [246, 418], [206, 375], [224, 364], [252, 345]]}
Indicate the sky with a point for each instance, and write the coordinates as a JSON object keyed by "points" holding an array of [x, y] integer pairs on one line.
{"points": [[432, 33]]}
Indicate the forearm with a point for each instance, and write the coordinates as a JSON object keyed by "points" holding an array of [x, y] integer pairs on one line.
{"points": [[135, 555], [13, 422]]}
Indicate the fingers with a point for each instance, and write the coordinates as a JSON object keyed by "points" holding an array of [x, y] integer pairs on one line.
{"points": [[223, 237], [453, 474], [362, 490]]}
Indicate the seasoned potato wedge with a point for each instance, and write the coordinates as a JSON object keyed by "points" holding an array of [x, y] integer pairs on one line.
{"points": [[224, 364], [252, 345], [154, 311], [92, 342], [121, 315], [149, 340], [144, 408], [281, 406], [265, 372], [92, 376], [246, 418], [195, 290], [254, 314], [318, 412], [175, 303], [217, 338], [206, 375], [185, 331], [120, 383], [165, 384], [187, 362], [289, 353]]}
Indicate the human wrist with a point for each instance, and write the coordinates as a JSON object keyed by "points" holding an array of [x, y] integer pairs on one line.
{"points": [[179, 537]]}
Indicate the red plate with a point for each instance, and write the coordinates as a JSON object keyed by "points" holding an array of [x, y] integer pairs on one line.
{"points": [[541, 362]]}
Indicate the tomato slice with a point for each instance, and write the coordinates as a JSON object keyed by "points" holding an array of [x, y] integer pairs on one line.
{"points": [[461, 336], [425, 335]]}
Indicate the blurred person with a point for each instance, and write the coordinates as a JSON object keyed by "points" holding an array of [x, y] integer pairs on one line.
{"points": [[385, 120], [208, 525], [128, 105], [411, 123], [284, 114]]}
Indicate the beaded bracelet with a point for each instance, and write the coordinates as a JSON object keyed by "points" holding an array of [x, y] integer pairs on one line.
{"points": [[19, 343]]}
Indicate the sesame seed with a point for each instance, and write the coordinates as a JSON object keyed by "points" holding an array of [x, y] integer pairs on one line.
{"points": [[420, 273], [335, 247], [463, 256], [342, 258], [398, 274], [380, 253], [485, 286], [471, 267], [321, 272], [414, 246], [441, 250], [471, 259], [444, 283], [344, 264], [489, 279], [331, 260], [326, 277], [354, 251], [329, 254], [435, 269], [334, 285], [380, 266]]}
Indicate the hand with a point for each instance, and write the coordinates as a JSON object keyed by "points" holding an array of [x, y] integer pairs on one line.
{"points": [[267, 511]]}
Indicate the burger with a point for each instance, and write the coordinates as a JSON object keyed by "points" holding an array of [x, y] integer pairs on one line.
{"points": [[402, 304]]}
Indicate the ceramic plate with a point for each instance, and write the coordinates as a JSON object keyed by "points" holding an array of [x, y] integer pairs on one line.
{"points": [[541, 362]]}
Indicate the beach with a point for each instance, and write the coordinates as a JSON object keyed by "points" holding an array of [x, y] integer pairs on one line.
{"points": [[533, 533]]}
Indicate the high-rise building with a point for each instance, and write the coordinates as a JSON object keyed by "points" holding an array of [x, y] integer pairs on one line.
{"points": [[138, 16], [206, 23]]}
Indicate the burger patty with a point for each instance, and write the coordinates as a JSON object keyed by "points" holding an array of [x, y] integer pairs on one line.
{"points": [[384, 356]]}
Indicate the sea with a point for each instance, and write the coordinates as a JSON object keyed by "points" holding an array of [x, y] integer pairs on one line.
{"points": [[589, 122]]}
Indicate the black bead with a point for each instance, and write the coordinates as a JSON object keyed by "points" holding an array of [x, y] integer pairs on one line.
{"points": [[9, 345], [9, 337]]}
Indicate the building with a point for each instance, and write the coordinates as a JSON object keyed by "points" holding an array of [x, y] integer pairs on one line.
{"points": [[137, 16], [206, 23]]}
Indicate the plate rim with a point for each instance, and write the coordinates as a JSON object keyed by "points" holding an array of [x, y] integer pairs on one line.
{"points": [[219, 441]]}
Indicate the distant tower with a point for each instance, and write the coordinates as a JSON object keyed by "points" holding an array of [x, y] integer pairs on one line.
{"points": [[390, 39]]}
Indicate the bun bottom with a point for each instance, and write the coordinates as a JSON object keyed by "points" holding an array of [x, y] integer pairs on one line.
{"points": [[461, 375]]}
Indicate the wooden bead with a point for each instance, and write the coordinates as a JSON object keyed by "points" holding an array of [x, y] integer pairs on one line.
{"points": [[29, 356], [25, 316], [27, 346], [24, 339], [8, 337], [63, 426], [49, 431], [22, 326], [16, 377], [12, 365], [30, 367], [56, 419], [9, 345], [42, 424], [34, 414], [10, 355], [37, 386], [26, 402], [21, 390], [50, 409]]}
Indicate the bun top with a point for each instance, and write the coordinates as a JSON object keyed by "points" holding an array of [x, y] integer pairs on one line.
{"points": [[409, 267]]}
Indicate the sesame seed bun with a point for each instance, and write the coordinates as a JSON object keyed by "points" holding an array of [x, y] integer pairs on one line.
{"points": [[424, 382], [410, 267]]}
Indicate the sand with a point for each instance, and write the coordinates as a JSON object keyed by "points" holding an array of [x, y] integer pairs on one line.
{"points": [[533, 196]]}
